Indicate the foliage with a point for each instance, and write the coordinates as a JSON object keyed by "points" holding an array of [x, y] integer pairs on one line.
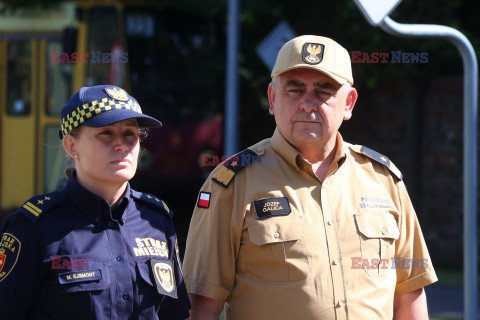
{"points": [[340, 20]]}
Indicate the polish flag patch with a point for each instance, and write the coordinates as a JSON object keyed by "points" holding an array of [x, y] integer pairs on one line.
{"points": [[204, 200]]}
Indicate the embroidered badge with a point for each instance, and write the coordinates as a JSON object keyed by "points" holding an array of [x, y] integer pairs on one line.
{"points": [[312, 53], [204, 200], [70, 277], [9, 251], [117, 94], [150, 247], [164, 274], [271, 207]]}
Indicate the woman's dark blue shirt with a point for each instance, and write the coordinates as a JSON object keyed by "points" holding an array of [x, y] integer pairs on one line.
{"points": [[68, 255]]}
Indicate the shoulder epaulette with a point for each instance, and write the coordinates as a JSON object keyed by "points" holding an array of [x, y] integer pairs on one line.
{"points": [[151, 199], [374, 155], [227, 169], [37, 206]]}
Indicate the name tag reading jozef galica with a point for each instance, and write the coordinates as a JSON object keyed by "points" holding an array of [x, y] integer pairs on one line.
{"points": [[268, 207]]}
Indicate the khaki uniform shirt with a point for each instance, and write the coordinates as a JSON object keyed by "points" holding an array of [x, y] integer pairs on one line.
{"points": [[277, 243]]}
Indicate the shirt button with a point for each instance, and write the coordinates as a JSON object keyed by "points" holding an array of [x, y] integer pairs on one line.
{"points": [[384, 231], [119, 258], [276, 234], [110, 224], [341, 304], [259, 149], [97, 219], [335, 262], [125, 296], [330, 222]]}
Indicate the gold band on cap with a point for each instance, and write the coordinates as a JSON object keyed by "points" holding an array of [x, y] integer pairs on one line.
{"points": [[87, 111]]}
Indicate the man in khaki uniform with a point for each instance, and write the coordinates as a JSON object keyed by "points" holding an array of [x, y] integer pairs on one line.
{"points": [[305, 225]]}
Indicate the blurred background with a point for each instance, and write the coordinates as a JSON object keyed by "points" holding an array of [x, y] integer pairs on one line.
{"points": [[170, 55]]}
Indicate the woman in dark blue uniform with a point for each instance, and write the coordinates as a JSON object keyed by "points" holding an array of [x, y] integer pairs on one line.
{"points": [[96, 249]]}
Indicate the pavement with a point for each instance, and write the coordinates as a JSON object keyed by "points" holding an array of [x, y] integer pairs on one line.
{"points": [[445, 301]]}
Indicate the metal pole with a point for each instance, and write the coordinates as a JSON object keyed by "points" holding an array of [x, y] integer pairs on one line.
{"points": [[230, 143], [470, 116]]}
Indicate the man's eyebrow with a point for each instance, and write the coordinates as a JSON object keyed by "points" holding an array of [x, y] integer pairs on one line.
{"points": [[294, 83], [326, 86]]}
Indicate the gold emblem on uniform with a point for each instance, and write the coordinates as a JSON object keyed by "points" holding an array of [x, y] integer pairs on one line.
{"points": [[117, 94], [312, 53], [164, 275]]}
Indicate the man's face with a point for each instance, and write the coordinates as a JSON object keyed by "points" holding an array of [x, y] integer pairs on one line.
{"points": [[309, 106]]}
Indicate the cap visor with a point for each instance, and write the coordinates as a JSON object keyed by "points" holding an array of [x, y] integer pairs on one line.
{"points": [[110, 117]]}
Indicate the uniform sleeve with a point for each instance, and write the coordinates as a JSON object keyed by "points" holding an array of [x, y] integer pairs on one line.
{"points": [[212, 244], [412, 262], [176, 309], [20, 253]]}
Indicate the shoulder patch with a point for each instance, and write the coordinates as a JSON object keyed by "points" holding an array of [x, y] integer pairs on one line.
{"points": [[10, 248], [374, 155], [151, 199], [227, 170], [37, 206]]}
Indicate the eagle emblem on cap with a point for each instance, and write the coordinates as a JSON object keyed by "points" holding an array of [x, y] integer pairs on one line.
{"points": [[312, 53], [117, 94]]}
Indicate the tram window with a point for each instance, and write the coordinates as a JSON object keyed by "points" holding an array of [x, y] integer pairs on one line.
{"points": [[19, 70], [174, 63], [58, 81], [55, 161], [106, 64]]}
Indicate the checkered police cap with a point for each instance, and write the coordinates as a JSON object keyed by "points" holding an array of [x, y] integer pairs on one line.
{"points": [[100, 106]]}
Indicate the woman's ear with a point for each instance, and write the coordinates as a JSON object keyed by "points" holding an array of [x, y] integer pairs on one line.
{"points": [[70, 145]]}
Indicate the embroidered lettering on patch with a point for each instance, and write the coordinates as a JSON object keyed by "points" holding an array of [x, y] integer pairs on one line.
{"points": [[164, 274], [150, 247], [271, 207], [9, 251], [70, 277], [204, 200]]}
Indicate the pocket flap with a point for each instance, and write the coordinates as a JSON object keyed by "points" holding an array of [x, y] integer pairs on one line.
{"points": [[277, 229], [144, 270], [377, 225]]}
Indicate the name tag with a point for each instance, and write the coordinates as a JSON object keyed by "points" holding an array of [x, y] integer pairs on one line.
{"points": [[79, 276], [268, 207]]}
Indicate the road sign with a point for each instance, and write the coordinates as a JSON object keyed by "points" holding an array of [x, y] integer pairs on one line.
{"points": [[267, 49], [376, 10]]}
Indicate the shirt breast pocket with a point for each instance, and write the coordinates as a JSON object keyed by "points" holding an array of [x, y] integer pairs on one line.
{"points": [[147, 288], [81, 293], [377, 234], [279, 250]]}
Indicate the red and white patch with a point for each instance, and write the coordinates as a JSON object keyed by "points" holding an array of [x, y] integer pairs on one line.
{"points": [[204, 200], [2, 261]]}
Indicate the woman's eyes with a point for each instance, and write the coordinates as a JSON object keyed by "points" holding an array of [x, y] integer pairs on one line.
{"points": [[130, 133], [125, 133]]}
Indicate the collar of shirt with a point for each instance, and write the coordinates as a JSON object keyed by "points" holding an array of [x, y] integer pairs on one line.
{"points": [[93, 205], [297, 160]]}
